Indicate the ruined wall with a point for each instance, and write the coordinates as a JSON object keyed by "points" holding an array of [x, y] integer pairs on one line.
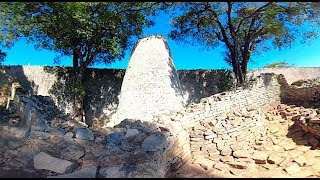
{"points": [[303, 92], [229, 121], [103, 86], [291, 74]]}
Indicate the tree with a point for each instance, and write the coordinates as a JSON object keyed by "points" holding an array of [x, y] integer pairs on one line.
{"points": [[244, 27], [280, 64], [2, 56], [90, 32]]}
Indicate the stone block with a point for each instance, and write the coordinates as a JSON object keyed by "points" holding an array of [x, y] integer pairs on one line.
{"points": [[154, 142], [259, 157], [85, 134], [45, 161], [89, 172], [242, 153]]}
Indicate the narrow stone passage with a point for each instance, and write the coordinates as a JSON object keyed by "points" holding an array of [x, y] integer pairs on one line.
{"points": [[288, 150]]}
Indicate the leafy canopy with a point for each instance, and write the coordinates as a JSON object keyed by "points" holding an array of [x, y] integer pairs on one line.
{"points": [[93, 32], [245, 27]]}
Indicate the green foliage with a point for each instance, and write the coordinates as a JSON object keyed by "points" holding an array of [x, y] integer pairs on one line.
{"points": [[226, 81], [78, 89], [244, 28], [2, 56], [91, 32], [94, 32], [278, 65]]}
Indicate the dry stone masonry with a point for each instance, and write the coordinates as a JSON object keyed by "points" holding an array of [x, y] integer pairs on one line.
{"points": [[228, 122], [303, 92], [151, 85]]}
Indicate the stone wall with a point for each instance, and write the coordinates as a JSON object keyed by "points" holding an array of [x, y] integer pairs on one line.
{"points": [[303, 92], [229, 121], [103, 86], [291, 74]]}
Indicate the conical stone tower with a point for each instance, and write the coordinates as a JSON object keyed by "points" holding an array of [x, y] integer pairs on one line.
{"points": [[151, 84]]}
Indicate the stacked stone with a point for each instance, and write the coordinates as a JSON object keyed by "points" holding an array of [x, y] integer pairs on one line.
{"points": [[221, 135], [228, 121], [307, 118], [36, 111], [256, 96], [304, 92]]}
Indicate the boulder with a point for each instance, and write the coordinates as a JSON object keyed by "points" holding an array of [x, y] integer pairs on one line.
{"points": [[116, 138], [131, 132], [19, 132], [45, 161], [72, 153], [154, 142], [112, 172], [85, 134]]}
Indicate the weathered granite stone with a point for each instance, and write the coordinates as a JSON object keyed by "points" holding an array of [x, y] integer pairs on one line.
{"points": [[89, 172], [116, 137], [45, 161], [84, 134], [72, 153], [154, 142], [259, 157], [242, 153], [112, 172], [294, 168], [131, 132]]}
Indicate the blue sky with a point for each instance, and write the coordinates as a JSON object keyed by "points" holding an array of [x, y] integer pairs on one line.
{"points": [[184, 56]]}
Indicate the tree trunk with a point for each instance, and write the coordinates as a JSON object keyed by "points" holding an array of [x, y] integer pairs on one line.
{"points": [[77, 80], [236, 67]]}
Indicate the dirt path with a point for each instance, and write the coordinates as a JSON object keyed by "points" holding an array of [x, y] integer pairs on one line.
{"points": [[286, 151]]}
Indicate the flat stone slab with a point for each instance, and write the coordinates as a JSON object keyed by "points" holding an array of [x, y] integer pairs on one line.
{"points": [[259, 157], [293, 169], [242, 153], [72, 153], [131, 132], [45, 161], [89, 172], [112, 172], [116, 138], [275, 159], [154, 142], [84, 134]]}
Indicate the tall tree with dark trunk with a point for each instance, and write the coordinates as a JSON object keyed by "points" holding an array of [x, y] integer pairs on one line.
{"points": [[90, 32], [245, 27]]}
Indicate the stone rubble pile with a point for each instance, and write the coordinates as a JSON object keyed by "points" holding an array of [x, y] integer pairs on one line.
{"points": [[304, 92], [130, 149], [307, 118]]}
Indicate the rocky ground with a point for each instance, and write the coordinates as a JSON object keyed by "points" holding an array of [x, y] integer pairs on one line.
{"points": [[128, 150], [288, 150]]}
